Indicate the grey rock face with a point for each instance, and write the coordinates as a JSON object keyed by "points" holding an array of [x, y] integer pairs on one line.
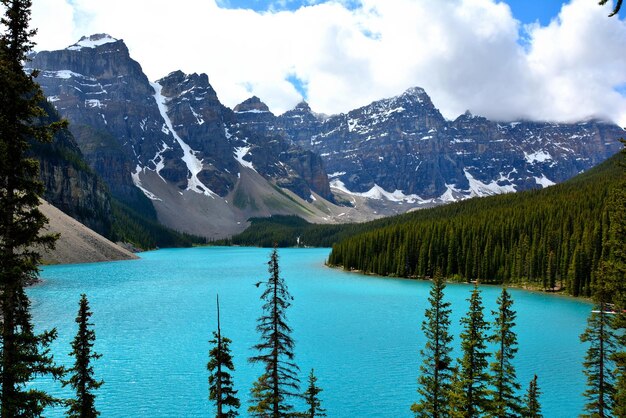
{"points": [[69, 183], [405, 144], [110, 104], [175, 127]]}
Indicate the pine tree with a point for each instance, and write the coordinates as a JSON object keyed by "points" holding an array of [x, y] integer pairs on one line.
{"points": [[279, 380], [598, 362], [472, 378], [612, 273], [261, 398], [436, 373], [313, 401], [24, 354], [220, 381], [505, 402], [532, 408], [81, 374]]}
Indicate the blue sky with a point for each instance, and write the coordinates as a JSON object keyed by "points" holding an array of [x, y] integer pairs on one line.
{"points": [[526, 11], [467, 54]]}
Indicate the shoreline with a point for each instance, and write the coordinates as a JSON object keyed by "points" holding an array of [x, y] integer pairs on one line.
{"points": [[521, 286]]}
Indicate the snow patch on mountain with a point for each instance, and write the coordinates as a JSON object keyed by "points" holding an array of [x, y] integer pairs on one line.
{"points": [[241, 152], [64, 75], [94, 103], [452, 194], [544, 182], [194, 165], [137, 182], [478, 188], [378, 193], [537, 156], [336, 174], [252, 111], [159, 160], [198, 117], [92, 42]]}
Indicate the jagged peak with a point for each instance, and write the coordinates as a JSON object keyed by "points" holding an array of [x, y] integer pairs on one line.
{"points": [[468, 115], [178, 74], [252, 105], [303, 105], [411, 96], [415, 91], [181, 77], [92, 41]]}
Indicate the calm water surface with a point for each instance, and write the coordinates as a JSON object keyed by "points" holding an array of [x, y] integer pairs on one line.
{"points": [[153, 319]]}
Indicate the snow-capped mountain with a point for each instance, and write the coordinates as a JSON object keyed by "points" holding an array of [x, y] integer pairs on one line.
{"points": [[207, 168], [404, 147], [175, 142]]}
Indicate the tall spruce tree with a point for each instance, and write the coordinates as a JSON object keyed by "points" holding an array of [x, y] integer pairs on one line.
{"points": [[472, 398], [436, 373], [279, 380], [312, 398], [532, 407], [611, 285], [598, 365], [505, 402], [81, 374], [24, 354], [220, 380]]}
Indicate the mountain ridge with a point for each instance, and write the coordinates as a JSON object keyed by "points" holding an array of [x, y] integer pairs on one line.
{"points": [[173, 137]]}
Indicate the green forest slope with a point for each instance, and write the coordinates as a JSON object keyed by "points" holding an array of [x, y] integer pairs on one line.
{"points": [[550, 238]]}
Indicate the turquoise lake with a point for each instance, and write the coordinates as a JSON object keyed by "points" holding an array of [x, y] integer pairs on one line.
{"points": [[362, 334]]}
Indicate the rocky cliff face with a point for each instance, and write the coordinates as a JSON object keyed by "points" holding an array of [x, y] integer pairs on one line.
{"points": [[110, 104], [404, 146], [70, 184]]}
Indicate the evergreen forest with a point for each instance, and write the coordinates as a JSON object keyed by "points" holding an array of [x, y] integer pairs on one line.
{"points": [[550, 239]]}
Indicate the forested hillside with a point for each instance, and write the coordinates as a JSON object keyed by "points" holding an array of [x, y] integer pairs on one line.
{"points": [[549, 238]]}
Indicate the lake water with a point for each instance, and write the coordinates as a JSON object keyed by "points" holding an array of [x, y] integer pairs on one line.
{"points": [[154, 316]]}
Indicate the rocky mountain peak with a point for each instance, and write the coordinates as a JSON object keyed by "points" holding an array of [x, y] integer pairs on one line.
{"points": [[302, 111], [415, 91], [194, 86], [92, 41], [252, 105], [303, 106], [414, 96]]}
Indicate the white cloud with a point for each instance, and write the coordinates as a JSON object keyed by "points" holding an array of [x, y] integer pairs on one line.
{"points": [[54, 20], [465, 53]]}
